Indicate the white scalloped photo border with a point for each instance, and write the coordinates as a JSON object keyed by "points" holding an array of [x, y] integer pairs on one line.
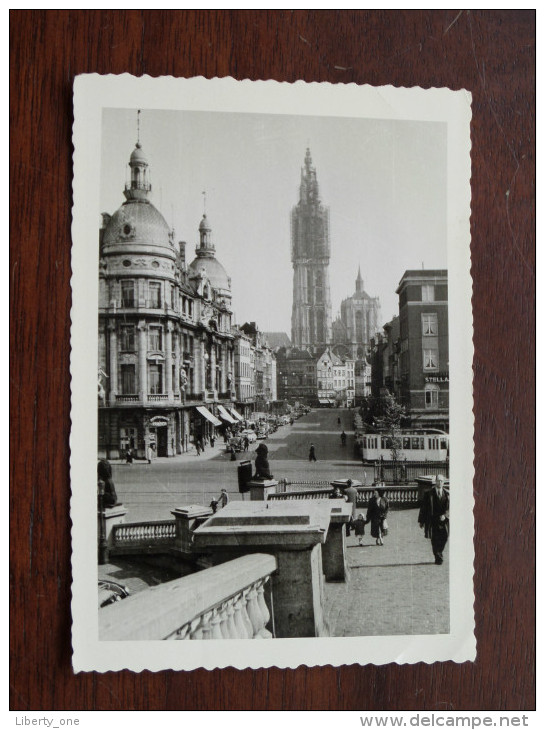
{"points": [[93, 93]]}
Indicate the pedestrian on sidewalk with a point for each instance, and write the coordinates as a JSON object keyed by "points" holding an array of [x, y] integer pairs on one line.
{"points": [[376, 514], [129, 456], [359, 528], [150, 452], [223, 499], [198, 446], [434, 517], [351, 494], [312, 453], [212, 438]]}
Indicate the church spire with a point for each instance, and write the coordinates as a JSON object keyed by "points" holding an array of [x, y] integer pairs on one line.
{"points": [[139, 186], [359, 282], [308, 190]]}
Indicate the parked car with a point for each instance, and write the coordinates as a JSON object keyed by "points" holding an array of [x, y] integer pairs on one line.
{"points": [[237, 442], [110, 592]]}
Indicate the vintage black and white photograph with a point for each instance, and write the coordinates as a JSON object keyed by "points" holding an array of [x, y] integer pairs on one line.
{"points": [[271, 367]]}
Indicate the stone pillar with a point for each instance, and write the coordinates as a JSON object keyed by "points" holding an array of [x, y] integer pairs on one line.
{"points": [[261, 488], [213, 367], [334, 549], [177, 363], [112, 516], [142, 362], [200, 364], [168, 361], [187, 520], [294, 533], [113, 362]]}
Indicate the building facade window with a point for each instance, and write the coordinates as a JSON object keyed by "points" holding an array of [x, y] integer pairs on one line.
{"points": [[127, 338], [155, 338], [155, 379], [154, 289], [128, 379], [431, 359], [431, 396], [429, 325], [428, 293], [127, 293]]}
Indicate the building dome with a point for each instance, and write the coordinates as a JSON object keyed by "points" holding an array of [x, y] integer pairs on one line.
{"points": [[204, 225], [137, 222], [138, 157], [213, 270]]}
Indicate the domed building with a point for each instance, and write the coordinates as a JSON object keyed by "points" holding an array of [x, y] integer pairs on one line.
{"points": [[359, 320], [165, 342]]}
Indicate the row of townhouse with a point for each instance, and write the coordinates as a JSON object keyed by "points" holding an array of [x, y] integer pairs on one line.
{"points": [[327, 379]]}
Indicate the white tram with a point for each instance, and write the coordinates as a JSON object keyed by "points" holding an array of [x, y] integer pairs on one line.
{"points": [[432, 445]]}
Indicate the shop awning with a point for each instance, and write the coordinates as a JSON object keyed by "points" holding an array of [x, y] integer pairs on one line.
{"points": [[226, 416], [209, 416], [236, 414]]}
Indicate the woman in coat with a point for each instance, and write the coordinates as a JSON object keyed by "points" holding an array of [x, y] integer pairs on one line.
{"points": [[376, 515]]}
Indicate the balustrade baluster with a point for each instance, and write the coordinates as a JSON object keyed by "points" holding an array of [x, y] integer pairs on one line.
{"points": [[244, 613], [262, 603], [230, 624], [254, 611], [241, 630], [215, 623], [183, 633], [206, 625], [196, 628], [224, 618]]}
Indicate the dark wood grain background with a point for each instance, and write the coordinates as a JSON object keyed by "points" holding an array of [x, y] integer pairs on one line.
{"points": [[490, 53]]}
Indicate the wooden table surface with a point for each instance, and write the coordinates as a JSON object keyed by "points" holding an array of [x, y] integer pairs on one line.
{"points": [[490, 53]]}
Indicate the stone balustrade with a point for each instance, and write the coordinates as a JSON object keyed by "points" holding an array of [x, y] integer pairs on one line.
{"points": [[402, 496], [143, 537], [228, 601]]}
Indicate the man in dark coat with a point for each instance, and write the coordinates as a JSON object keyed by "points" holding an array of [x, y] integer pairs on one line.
{"points": [[351, 494], [434, 517], [312, 453]]}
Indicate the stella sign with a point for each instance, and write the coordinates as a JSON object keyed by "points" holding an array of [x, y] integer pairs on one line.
{"points": [[438, 378]]}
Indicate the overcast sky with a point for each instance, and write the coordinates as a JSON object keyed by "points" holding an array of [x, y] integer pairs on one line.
{"points": [[384, 182]]}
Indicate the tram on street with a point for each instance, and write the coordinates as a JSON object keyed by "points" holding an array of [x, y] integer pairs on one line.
{"points": [[431, 445]]}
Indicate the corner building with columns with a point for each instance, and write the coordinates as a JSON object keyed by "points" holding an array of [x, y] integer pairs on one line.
{"points": [[165, 361]]}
